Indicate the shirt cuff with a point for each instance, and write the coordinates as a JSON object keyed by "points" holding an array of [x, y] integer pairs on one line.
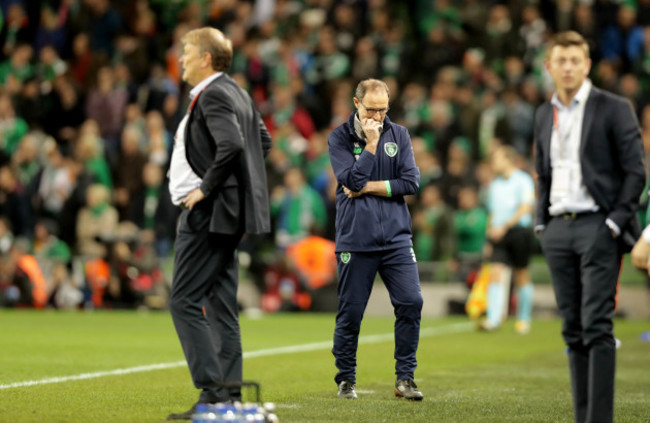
{"points": [[646, 234], [388, 191], [613, 226]]}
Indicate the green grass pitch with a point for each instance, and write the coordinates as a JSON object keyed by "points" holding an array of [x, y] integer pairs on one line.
{"points": [[466, 376]]}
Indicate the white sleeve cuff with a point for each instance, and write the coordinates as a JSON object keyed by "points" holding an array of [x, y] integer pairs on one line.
{"points": [[613, 226]]}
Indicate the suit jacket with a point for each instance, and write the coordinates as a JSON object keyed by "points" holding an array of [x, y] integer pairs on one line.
{"points": [[611, 158], [226, 143]]}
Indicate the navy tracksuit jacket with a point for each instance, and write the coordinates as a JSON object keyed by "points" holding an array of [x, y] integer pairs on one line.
{"points": [[373, 234], [370, 223]]}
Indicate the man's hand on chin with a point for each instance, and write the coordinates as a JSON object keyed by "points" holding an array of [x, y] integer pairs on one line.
{"points": [[193, 198]]}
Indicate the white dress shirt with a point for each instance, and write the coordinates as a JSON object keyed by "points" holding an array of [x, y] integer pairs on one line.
{"points": [[568, 191], [182, 179]]}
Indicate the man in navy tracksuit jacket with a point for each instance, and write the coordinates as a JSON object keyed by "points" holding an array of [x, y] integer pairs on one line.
{"points": [[373, 162]]}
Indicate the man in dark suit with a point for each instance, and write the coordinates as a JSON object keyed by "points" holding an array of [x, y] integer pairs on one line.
{"points": [[218, 178], [589, 161]]}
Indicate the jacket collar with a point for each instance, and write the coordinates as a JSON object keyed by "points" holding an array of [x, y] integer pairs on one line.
{"points": [[353, 132], [203, 84]]}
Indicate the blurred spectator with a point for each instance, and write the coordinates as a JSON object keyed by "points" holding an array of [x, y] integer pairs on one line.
{"points": [[622, 42], [51, 65], [433, 227], [22, 283], [501, 39], [97, 221], [520, 117], [66, 114], [531, 31], [81, 180], [12, 127], [55, 182], [151, 208], [158, 87], [32, 105], [15, 28], [18, 68], [470, 223], [317, 164], [437, 51], [606, 75], [104, 26], [136, 279], [47, 246], [175, 51], [493, 122], [283, 288], [584, 23], [330, 64], [458, 172], [65, 294], [133, 118], [50, 32], [105, 104], [285, 110], [82, 60], [130, 51], [6, 236], [158, 141], [25, 161], [128, 178], [14, 203], [297, 209], [366, 60], [89, 153]]}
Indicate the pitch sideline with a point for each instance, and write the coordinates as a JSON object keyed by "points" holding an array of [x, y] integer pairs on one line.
{"points": [[314, 346]]}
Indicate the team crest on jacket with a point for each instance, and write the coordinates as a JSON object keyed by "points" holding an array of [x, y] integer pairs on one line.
{"points": [[391, 149], [345, 257]]}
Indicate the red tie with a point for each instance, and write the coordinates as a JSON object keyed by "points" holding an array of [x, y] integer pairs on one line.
{"points": [[196, 97]]}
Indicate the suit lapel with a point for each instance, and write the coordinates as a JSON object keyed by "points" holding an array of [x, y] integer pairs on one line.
{"points": [[546, 131], [194, 103], [588, 118]]}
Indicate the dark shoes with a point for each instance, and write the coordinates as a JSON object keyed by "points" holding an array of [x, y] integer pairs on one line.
{"points": [[186, 415], [347, 390], [406, 388]]}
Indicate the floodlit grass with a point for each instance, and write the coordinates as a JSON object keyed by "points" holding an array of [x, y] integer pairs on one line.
{"points": [[466, 376]]}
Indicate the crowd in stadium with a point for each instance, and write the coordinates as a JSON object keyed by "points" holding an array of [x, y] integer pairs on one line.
{"points": [[91, 95]]}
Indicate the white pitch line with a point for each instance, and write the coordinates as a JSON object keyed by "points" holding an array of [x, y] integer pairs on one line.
{"points": [[291, 349]]}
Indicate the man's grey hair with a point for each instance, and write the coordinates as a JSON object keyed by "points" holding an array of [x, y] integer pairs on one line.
{"points": [[370, 85]]}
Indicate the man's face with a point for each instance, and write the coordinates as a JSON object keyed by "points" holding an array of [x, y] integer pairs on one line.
{"points": [[373, 106], [568, 66], [191, 62]]}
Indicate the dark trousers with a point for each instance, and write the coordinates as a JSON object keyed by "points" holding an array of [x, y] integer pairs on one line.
{"points": [[399, 272], [585, 261], [205, 278]]}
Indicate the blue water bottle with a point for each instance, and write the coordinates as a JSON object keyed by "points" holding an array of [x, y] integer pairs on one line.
{"points": [[203, 414]]}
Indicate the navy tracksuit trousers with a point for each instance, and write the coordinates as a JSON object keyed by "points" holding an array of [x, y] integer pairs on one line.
{"points": [[357, 271]]}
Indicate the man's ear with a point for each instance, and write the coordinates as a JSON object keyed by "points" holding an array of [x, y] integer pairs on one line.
{"points": [[206, 60]]}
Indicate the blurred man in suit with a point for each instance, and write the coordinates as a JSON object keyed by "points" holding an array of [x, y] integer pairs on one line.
{"points": [[589, 159], [218, 178]]}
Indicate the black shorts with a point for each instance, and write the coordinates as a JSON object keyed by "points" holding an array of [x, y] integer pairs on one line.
{"points": [[514, 248]]}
